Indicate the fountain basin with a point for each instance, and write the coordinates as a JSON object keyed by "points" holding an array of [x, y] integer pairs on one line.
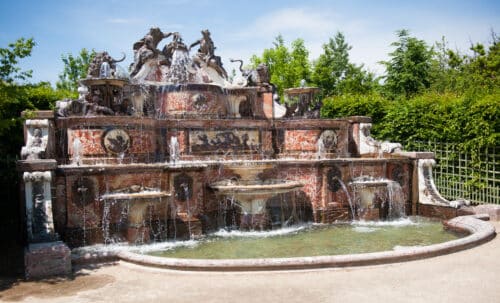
{"points": [[134, 196], [251, 188], [376, 199], [480, 232], [252, 195]]}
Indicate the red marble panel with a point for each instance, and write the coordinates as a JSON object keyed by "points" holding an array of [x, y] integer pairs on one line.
{"points": [[192, 102], [142, 141], [176, 102], [358, 169], [301, 140], [309, 176], [267, 100], [91, 141]]}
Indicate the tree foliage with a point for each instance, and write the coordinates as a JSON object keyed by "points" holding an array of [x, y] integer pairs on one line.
{"points": [[409, 69], [9, 58], [432, 94], [467, 74], [75, 68], [15, 98], [333, 72], [286, 67]]}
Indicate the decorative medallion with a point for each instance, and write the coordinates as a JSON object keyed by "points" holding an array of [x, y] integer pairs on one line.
{"points": [[116, 141], [200, 102]]}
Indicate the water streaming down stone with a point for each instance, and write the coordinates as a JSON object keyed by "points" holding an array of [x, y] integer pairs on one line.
{"points": [[178, 71], [375, 199], [176, 151], [77, 152]]}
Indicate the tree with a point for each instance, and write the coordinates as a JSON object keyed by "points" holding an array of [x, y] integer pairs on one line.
{"points": [[286, 68], [9, 57], [15, 97], [408, 70], [11, 94], [475, 73], [335, 75], [299, 63], [447, 67], [332, 64], [75, 68]]}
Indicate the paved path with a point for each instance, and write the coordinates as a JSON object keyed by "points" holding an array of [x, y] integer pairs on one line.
{"points": [[468, 276]]}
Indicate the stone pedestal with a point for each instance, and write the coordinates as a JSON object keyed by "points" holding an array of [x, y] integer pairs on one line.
{"points": [[47, 259]]}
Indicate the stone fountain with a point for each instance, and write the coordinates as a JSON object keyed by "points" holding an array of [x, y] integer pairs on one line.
{"points": [[158, 154]]}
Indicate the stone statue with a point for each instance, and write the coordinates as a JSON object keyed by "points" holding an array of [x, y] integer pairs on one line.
{"points": [[254, 77], [103, 59], [176, 43], [146, 48], [206, 54], [81, 107], [37, 138]]}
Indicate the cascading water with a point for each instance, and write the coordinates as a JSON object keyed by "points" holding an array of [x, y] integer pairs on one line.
{"points": [[185, 188], [377, 198], [174, 150], [352, 207], [395, 197], [321, 149], [177, 102], [178, 71], [77, 152]]}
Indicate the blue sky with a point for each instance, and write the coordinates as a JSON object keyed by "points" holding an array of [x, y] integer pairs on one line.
{"points": [[239, 28]]}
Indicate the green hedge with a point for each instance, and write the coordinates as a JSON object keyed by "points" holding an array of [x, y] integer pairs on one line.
{"points": [[471, 121], [372, 105]]}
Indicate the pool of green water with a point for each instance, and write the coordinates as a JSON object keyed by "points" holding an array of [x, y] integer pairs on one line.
{"points": [[314, 240]]}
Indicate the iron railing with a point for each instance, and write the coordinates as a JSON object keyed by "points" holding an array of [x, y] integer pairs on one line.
{"points": [[461, 175]]}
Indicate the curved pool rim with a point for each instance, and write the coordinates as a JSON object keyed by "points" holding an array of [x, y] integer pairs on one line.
{"points": [[479, 232]]}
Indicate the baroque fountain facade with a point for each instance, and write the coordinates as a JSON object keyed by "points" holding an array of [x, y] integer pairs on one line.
{"points": [[176, 150]]}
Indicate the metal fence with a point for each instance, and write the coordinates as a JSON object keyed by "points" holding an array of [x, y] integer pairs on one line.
{"points": [[459, 175]]}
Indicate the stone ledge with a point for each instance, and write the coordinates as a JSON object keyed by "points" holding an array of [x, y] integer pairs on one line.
{"points": [[359, 119], [480, 232], [38, 114], [416, 155], [36, 165]]}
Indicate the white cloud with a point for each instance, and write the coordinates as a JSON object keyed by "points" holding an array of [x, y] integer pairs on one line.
{"points": [[299, 21], [123, 20], [370, 36], [315, 26]]}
